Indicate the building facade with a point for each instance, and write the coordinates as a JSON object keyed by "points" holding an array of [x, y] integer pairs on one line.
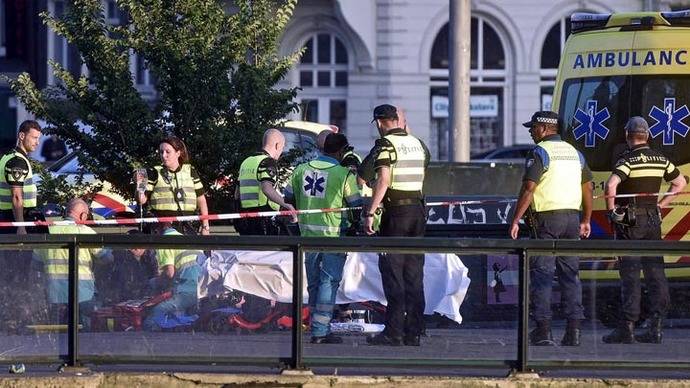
{"points": [[361, 53]]}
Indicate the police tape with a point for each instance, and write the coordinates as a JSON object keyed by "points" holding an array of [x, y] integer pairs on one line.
{"points": [[227, 216], [275, 213], [635, 195]]}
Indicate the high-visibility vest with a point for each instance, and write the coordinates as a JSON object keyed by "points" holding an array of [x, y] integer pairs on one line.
{"points": [[56, 260], [407, 170], [163, 197], [321, 184], [29, 189], [251, 195], [179, 258], [560, 185]]}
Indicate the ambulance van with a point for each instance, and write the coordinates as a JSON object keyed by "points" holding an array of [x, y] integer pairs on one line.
{"points": [[613, 67]]}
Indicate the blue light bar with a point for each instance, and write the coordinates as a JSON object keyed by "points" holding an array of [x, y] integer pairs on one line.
{"points": [[677, 18]]}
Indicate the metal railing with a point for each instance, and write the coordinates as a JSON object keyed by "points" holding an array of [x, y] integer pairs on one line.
{"points": [[299, 245]]}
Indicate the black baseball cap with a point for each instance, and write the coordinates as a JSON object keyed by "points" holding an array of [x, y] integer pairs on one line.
{"points": [[637, 124], [334, 143], [542, 117], [385, 111]]}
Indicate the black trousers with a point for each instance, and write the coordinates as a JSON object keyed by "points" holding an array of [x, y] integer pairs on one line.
{"points": [[647, 227], [403, 275]]}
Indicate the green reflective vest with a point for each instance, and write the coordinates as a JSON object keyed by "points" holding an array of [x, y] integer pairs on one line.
{"points": [[560, 185], [251, 195], [407, 170], [323, 184], [29, 189], [165, 197], [186, 268]]}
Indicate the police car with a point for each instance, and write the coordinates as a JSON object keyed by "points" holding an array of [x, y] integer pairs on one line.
{"points": [[613, 67]]}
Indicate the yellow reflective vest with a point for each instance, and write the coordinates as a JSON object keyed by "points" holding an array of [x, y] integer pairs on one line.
{"points": [[174, 191], [407, 167], [560, 185], [251, 195], [29, 188]]}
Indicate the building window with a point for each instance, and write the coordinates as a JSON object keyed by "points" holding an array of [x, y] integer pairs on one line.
{"points": [[487, 94], [550, 59], [323, 76]]}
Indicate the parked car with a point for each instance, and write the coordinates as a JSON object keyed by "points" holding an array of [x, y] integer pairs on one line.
{"points": [[508, 154]]}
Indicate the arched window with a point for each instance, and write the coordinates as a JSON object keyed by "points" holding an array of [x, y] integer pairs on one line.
{"points": [[323, 72], [550, 59], [487, 95]]}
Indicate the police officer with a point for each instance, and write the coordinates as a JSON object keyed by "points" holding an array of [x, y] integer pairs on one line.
{"points": [[55, 266], [324, 184], [400, 167], [557, 183], [174, 188], [640, 170], [258, 179], [17, 188]]}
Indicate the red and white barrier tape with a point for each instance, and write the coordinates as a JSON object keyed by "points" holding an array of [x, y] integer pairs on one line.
{"points": [[228, 216], [233, 216]]}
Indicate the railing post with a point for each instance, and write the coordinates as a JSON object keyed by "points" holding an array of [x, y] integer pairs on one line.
{"points": [[523, 312], [73, 306], [298, 286]]}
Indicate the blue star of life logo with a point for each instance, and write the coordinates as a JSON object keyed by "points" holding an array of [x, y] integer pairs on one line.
{"points": [[669, 121], [315, 183], [591, 124]]}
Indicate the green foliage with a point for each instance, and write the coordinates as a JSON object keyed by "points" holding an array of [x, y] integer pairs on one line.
{"points": [[215, 74]]}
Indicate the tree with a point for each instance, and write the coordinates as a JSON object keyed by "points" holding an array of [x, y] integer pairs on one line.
{"points": [[215, 74]]}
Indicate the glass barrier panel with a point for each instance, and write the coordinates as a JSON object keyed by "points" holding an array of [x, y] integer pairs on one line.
{"points": [[634, 309], [469, 307], [189, 304], [33, 305]]}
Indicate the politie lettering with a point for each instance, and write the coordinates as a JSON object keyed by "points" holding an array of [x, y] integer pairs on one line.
{"points": [[631, 58]]}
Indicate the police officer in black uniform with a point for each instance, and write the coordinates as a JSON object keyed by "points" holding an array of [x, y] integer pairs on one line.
{"points": [[640, 170], [400, 167]]}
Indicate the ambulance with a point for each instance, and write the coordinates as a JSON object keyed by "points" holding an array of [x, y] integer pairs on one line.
{"points": [[613, 67]]}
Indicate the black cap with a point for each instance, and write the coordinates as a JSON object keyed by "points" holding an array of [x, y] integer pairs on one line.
{"points": [[542, 117], [637, 124], [385, 111], [334, 143]]}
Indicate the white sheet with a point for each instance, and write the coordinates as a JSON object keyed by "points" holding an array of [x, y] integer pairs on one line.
{"points": [[269, 275]]}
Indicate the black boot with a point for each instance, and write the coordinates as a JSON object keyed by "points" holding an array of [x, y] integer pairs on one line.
{"points": [[541, 335], [654, 334], [623, 334], [572, 333]]}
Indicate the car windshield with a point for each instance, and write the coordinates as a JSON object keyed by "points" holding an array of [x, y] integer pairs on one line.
{"points": [[594, 112], [69, 164]]}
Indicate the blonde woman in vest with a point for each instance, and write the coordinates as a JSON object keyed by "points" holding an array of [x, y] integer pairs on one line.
{"points": [[17, 188], [174, 188], [557, 184]]}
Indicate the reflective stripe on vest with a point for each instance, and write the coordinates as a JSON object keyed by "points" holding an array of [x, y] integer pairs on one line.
{"points": [[560, 186], [29, 189], [407, 170], [251, 195], [163, 195], [320, 184]]}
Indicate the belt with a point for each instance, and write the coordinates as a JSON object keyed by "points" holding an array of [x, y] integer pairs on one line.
{"points": [[403, 202]]}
